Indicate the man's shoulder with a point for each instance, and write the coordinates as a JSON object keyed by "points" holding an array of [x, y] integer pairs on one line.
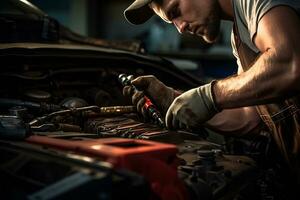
{"points": [[249, 5], [248, 14], [251, 11]]}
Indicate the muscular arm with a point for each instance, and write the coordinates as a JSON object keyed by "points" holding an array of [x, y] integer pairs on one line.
{"points": [[277, 70]]}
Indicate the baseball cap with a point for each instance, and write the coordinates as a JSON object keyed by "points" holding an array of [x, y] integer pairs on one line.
{"points": [[138, 12]]}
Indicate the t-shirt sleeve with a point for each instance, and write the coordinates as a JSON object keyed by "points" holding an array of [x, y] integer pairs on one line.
{"points": [[235, 53], [254, 10]]}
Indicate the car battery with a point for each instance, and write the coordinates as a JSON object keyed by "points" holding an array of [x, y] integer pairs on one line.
{"points": [[157, 162]]}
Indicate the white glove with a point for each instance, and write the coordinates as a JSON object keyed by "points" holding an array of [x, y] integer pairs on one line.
{"points": [[192, 108]]}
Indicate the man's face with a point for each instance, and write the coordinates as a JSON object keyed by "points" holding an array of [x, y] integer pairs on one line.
{"points": [[199, 17]]}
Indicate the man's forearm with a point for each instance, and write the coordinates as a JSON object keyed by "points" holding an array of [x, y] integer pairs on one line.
{"points": [[270, 77]]}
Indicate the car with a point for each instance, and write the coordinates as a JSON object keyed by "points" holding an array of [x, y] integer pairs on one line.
{"points": [[67, 132]]}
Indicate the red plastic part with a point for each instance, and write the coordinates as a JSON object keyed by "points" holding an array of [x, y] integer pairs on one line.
{"points": [[157, 162], [148, 103]]}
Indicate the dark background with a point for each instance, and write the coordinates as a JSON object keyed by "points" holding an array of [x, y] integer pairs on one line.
{"points": [[104, 19]]}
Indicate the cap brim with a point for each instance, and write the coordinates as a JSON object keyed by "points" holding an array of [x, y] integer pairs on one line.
{"points": [[138, 12]]}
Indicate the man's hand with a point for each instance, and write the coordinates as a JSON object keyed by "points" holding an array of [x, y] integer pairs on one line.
{"points": [[192, 108], [161, 95]]}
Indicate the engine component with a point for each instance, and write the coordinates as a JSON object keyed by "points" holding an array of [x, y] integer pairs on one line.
{"points": [[56, 127], [73, 102], [19, 111], [110, 111], [208, 172], [41, 107], [97, 111], [29, 172], [124, 126], [99, 97], [62, 112], [38, 95], [144, 157], [11, 127]]}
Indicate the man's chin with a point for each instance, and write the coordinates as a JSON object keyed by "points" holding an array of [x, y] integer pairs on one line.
{"points": [[212, 32], [210, 39], [207, 39]]}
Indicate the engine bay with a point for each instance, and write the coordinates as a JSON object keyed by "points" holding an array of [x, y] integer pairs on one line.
{"points": [[70, 96]]}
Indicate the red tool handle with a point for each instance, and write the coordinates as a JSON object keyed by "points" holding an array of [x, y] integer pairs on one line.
{"points": [[148, 102]]}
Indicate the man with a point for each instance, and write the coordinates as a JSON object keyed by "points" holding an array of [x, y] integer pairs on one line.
{"points": [[266, 43]]}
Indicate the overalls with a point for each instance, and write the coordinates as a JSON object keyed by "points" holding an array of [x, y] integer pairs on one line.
{"points": [[281, 117]]}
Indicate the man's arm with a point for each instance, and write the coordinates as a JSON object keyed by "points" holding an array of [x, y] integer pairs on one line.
{"points": [[277, 70]]}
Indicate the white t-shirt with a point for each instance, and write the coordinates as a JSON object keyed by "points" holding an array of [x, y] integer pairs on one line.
{"points": [[248, 13]]}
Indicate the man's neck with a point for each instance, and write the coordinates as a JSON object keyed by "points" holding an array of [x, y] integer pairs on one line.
{"points": [[226, 9]]}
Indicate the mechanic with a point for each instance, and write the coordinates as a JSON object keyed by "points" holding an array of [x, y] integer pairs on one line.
{"points": [[265, 41]]}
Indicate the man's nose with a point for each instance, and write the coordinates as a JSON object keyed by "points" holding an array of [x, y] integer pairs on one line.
{"points": [[180, 25]]}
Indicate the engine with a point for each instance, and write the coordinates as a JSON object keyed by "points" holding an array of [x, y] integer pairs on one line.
{"points": [[48, 100]]}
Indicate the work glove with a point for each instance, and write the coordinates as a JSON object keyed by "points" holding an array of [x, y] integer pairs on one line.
{"points": [[161, 95], [192, 108]]}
